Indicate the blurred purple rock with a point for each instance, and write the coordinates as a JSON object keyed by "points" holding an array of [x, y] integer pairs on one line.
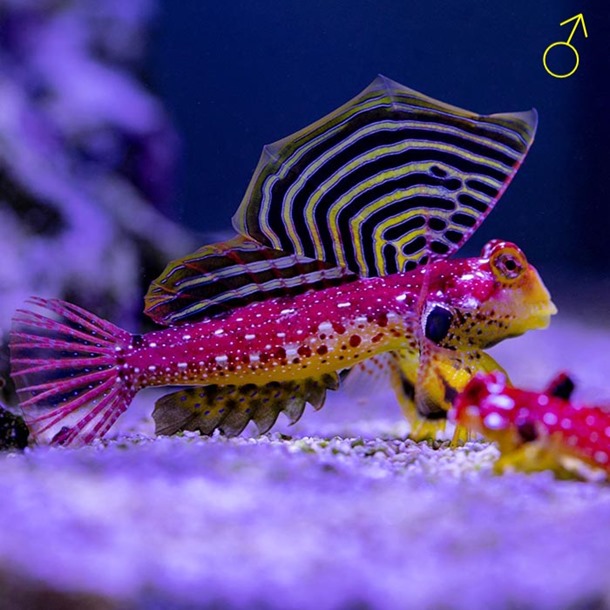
{"points": [[87, 157]]}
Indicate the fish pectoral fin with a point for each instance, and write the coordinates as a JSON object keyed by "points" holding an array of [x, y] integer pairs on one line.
{"points": [[230, 408], [429, 397]]}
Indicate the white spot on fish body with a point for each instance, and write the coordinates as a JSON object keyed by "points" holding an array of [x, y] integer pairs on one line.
{"points": [[501, 402], [549, 418], [250, 337], [601, 457], [325, 327], [494, 421], [152, 368], [566, 424], [594, 437], [290, 352], [254, 358], [221, 359], [281, 335], [152, 344], [186, 337], [543, 400], [182, 365], [287, 311], [401, 297], [590, 420], [348, 304], [219, 331]]}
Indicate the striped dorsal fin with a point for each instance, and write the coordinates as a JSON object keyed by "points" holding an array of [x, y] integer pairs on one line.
{"points": [[228, 274], [387, 181]]}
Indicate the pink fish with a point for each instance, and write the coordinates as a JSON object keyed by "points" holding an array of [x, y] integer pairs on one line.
{"points": [[76, 374], [345, 234], [536, 430]]}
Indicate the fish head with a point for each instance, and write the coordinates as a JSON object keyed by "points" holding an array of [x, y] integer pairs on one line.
{"points": [[478, 302]]}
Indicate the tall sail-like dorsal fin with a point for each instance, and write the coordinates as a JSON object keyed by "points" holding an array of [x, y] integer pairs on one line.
{"points": [[220, 276], [387, 181]]}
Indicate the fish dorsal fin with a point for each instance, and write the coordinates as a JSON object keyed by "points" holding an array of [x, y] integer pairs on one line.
{"points": [[220, 276], [230, 408], [359, 187]]}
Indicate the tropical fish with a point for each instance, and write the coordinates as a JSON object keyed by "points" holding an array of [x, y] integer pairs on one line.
{"points": [[342, 255], [537, 430]]}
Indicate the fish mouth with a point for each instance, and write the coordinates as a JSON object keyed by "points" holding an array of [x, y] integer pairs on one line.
{"points": [[541, 316]]}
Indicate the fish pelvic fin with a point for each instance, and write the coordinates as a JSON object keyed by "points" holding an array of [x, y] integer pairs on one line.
{"points": [[230, 408], [67, 366]]}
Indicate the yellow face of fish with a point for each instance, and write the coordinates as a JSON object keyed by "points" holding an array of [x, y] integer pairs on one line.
{"points": [[498, 296], [484, 302]]}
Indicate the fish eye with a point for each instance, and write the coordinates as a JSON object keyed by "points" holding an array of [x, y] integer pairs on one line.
{"points": [[437, 323], [507, 264]]}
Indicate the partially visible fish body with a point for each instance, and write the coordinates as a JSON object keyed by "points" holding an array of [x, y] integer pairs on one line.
{"points": [[537, 430]]}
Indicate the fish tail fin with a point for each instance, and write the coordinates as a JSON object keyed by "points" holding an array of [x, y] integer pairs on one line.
{"points": [[67, 366]]}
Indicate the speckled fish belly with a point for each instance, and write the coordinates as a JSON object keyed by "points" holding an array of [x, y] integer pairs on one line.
{"points": [[537, 430], [345, 231]]}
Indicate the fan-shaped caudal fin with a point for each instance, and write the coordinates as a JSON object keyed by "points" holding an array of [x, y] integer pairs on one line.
{"points": [[230, 408], [221, 276], [426, 392], [65, 363], [358, 187]]}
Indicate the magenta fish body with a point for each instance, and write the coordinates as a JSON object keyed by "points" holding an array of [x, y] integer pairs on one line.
{"points": [[77, 374], [342, 253], [536, 430]]}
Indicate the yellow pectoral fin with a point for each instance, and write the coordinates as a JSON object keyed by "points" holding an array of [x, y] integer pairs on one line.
{"points": [[445, 375]]}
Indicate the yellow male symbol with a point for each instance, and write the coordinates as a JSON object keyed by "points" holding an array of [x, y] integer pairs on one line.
{"points": [[580, 19]]}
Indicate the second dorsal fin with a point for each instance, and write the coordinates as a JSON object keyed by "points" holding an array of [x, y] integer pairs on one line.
{"points": [[228, 274]]}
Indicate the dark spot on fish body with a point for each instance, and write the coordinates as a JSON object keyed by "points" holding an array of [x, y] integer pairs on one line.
{"points": [[304, 350], [338, 328], [322, 349], [382, 320], [527, 431], [355, 340]]}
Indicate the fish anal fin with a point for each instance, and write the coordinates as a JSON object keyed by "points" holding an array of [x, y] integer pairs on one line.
{"points": [[230, 408]]}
